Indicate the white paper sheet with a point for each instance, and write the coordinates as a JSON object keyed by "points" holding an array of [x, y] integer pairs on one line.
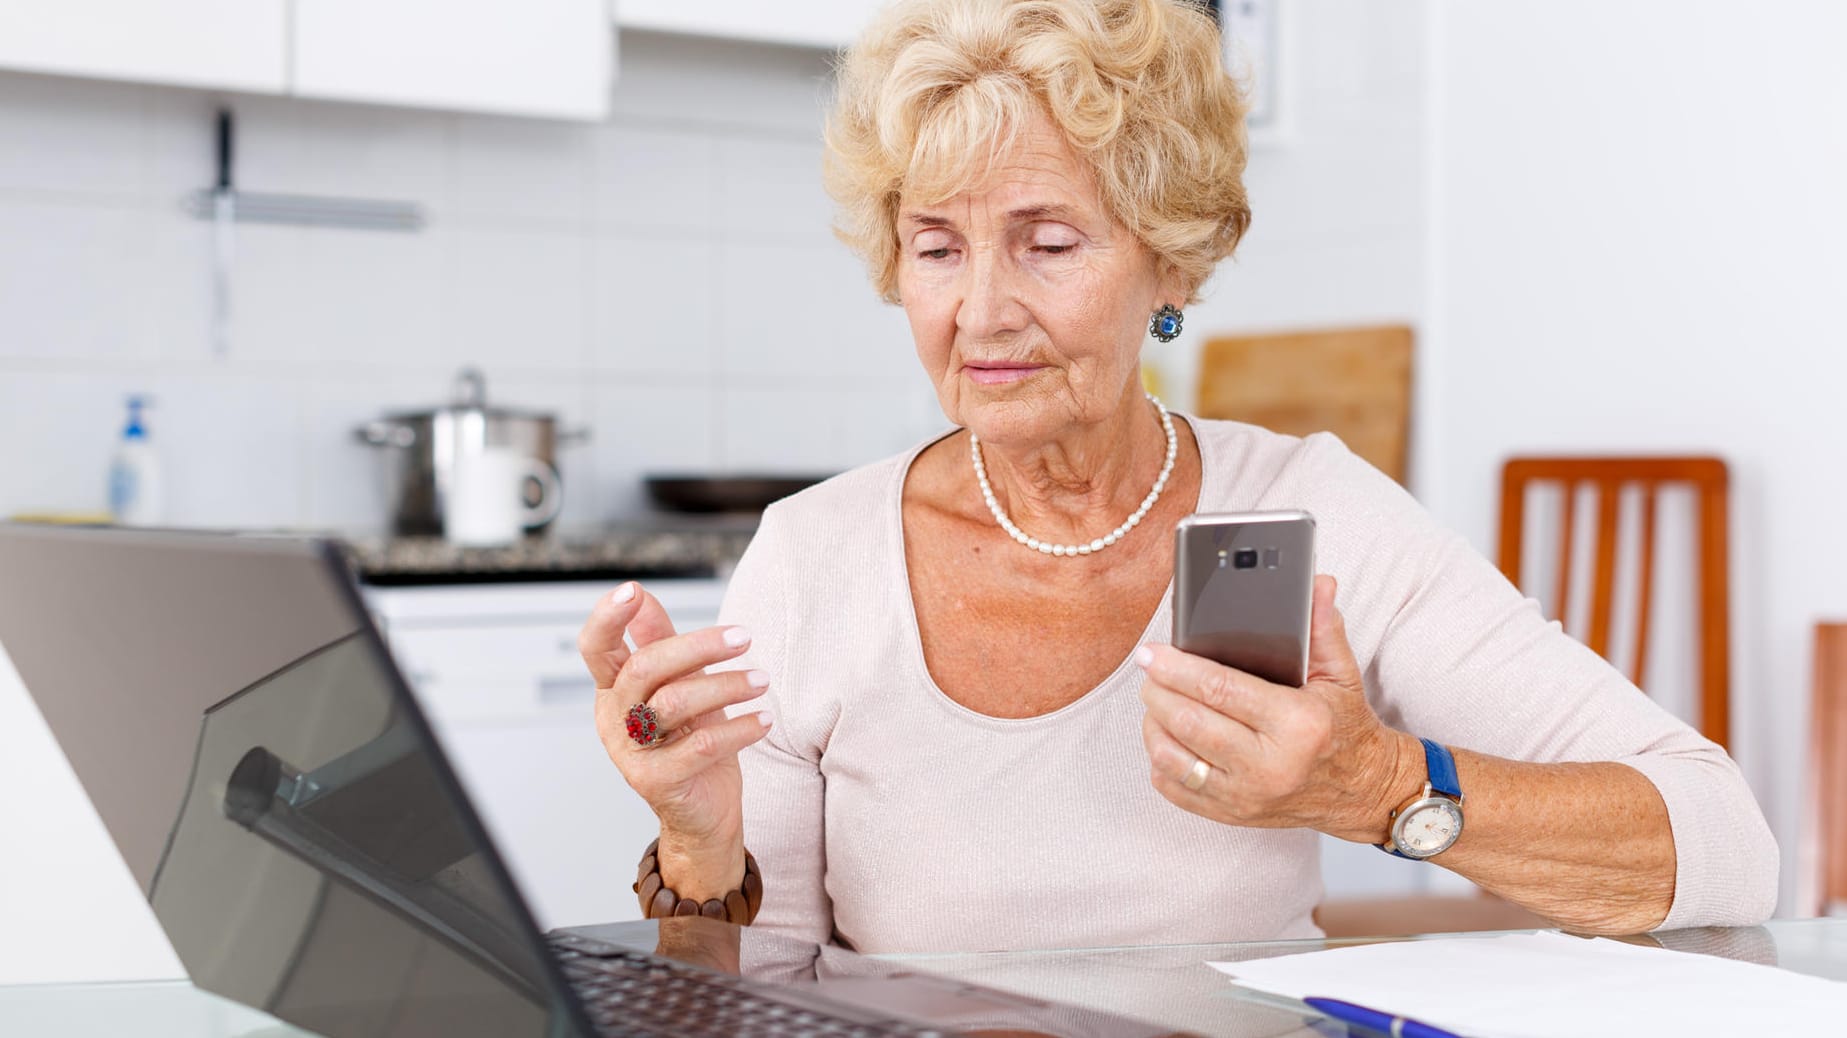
{"points": [[1542, 985]]}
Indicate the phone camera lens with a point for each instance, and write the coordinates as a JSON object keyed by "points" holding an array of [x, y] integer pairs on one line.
{"points": [[1245, 558]]}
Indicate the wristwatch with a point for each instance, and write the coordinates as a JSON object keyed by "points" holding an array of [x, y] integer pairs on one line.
{"points": [[1428, 824]]}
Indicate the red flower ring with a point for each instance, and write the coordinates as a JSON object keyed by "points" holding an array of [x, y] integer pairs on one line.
{"points": [[644, 725]]}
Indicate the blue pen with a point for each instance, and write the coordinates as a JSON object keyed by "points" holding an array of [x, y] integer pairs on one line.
{"points": [[1374, 1020]]}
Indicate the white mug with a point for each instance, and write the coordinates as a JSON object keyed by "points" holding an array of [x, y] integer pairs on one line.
{"points": [[485, 505]]}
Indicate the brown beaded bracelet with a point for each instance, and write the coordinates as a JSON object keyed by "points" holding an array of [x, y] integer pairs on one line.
{"points": [[659, 901]]}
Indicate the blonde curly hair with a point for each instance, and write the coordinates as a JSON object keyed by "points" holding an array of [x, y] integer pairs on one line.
{"points": [[933, 92]]}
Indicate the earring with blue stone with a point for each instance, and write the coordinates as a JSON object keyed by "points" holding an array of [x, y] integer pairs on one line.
{"points": [[1165, 324]]}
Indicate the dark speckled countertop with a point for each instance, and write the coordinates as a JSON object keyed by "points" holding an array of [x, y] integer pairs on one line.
{"points": [[679, 547]]}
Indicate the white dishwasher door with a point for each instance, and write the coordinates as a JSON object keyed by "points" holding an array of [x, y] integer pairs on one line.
{"points": [[497, 670]]}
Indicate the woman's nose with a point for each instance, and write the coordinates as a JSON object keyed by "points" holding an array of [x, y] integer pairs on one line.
{"points": [[991, 306]]}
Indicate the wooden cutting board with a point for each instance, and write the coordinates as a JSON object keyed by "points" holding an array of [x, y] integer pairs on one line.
{"points": [[1353, 382]]}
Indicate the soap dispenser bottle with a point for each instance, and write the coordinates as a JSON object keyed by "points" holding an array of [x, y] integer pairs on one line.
{"points": [[134, 477]]}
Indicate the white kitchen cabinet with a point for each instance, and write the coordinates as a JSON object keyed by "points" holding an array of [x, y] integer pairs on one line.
{"points": [[216, 44], [547, 58], [552, 58], [496, 669], [812, 23]]}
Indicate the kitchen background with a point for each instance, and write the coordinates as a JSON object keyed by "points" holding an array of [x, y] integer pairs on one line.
{"points": [[1613, 230], [666, 277]]}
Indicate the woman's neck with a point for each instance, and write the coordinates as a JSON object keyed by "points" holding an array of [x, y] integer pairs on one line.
{"points": [[1084, 483]]}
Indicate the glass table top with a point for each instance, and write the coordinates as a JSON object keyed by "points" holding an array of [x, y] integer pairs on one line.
{"points": [[1168, 986]]}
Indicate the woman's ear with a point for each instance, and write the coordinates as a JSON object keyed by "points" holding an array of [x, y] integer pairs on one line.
{"points": [[1172, 288]]}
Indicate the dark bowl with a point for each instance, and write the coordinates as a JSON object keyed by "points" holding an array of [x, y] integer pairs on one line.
{"points": [[750, 493]]}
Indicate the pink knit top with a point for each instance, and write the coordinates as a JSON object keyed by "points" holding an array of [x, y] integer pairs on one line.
{"points": [[890, 818]]}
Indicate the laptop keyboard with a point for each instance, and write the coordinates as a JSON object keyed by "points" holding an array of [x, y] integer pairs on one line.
{"points": [[632, 995]]}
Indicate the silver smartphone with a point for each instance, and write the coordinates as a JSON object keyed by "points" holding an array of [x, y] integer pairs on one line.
{"points": [[1244, 585]]}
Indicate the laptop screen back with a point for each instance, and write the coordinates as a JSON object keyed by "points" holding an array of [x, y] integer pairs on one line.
{"points": [[275, 792]]}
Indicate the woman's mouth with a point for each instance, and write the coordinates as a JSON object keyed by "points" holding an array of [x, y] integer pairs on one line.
{"points": [[998, 372]]}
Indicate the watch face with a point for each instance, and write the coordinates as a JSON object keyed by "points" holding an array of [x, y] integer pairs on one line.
{"points": [[1428, 828]]}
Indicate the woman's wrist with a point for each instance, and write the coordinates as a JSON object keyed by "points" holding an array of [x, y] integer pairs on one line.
{"points": [[737, 904], [700, 868], [1396, 773]]}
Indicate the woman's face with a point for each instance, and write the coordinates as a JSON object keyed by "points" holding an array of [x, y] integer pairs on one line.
{"points": [[1027, 301]]}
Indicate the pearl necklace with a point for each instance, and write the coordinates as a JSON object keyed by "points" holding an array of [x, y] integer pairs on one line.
{"points": [[1048, 548]]}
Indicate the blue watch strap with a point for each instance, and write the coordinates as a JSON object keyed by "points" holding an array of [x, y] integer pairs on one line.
{"points": [[1442, 767]]}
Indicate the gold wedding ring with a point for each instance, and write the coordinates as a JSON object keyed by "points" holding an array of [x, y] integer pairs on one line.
{"points": [[1196, 776]]}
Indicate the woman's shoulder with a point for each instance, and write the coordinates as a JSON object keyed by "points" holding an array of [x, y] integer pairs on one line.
{"points": [[1246, 462], [1222, 439], [1250, 468], [1369, 531], [1250, 445], [856, 509], [829, 556]]}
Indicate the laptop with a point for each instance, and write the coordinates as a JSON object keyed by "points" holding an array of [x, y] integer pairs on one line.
{"points": [[264, 770]]}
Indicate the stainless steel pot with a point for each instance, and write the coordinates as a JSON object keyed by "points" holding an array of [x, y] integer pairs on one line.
{"points": [[421, 448]]}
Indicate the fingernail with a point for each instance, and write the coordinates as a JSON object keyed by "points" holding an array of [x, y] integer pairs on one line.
{"points": [[623, 593], [1144, 656], [736, 636], [763, 718], [758, 678]]}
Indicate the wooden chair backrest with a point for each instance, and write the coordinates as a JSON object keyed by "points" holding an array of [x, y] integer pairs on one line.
{"points": [[1607, 477], [1828, 761], [1353, 382]]}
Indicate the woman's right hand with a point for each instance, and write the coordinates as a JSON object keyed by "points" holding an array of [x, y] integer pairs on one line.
{"points": [[690, 777]]}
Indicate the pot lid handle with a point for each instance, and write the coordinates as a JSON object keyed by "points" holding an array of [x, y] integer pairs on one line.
{"points": [[471, 389], [386, 433]]}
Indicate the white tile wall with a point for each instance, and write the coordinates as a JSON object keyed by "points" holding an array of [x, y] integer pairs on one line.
{"points": [[769, 186], [239, 436], [81, 137], [672, 422], [594, 271], [70, 280], [656, 179], [805, 416], [178, 283], [57, 427], [786, 286], [666, 279], [523, 172], [374, 298], [635, 327], [519, 297]]}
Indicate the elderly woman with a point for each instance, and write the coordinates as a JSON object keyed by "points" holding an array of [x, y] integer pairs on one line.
{"points": [[954, 722]]}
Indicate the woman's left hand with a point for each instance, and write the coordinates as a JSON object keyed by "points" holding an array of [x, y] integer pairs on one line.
{"points": [[1315, 757]]}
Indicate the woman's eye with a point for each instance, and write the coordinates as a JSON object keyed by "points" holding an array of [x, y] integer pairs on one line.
{"points": [[1053, 248], [935, 254]]}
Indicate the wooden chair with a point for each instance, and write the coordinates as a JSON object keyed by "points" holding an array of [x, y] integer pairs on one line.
{"points": [[1353, 382], [1828, 764], [1606, 478]]}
